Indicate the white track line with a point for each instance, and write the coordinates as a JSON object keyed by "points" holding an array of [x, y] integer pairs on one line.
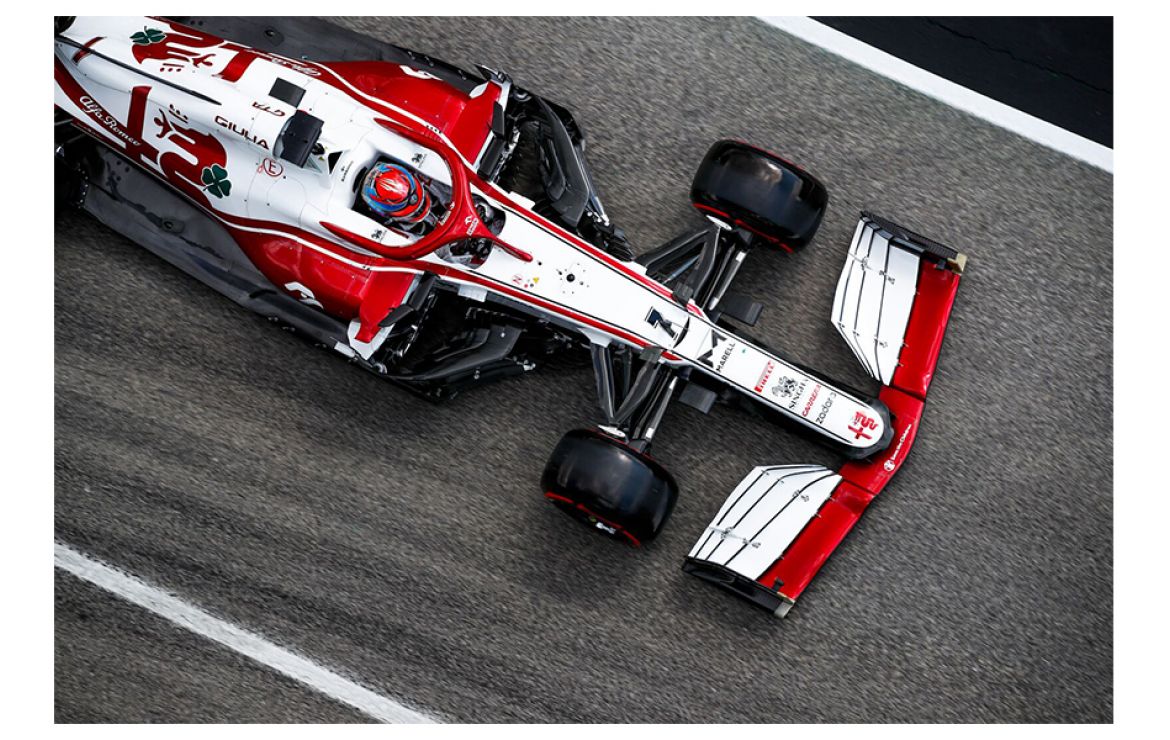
{"points": [[240, 640], [944, 90]]}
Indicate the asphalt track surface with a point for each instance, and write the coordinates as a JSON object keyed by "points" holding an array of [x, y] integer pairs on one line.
{"points": [[407, 545]]}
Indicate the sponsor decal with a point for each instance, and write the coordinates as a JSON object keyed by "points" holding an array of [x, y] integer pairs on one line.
{"points": [[99, 114], [705, 358], [147, 36], [268, 109], [861, 423], [718, 340], [656, 319], [811, 400], [890, 463], [725, 356], [784, 387], [795, 399], [469, 221], [240, 131], [790, 389], [271, 167], [763, 381], [825, 408], [302, 68], [216, 182]]}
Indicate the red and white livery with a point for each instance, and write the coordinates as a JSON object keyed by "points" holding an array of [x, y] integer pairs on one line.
{"points": [[242, 163]]}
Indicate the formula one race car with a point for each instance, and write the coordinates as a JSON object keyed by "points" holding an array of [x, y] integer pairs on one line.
{"points": [[439, 228]]}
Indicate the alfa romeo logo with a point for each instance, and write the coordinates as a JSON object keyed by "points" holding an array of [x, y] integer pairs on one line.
{"points": [[216, 180], [147, 36]]}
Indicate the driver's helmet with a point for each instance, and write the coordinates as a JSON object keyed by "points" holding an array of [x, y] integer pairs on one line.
{"points": [[395, 194]]}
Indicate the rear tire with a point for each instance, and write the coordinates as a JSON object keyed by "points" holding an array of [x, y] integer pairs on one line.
{"points": [[601, 482], [750, 188]]}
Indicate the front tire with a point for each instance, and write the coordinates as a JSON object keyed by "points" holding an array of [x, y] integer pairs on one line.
{"points": [[609, 487], [750, 188]]}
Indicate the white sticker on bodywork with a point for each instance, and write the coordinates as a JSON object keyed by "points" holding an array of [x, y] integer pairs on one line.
{"points": [[781, 384]]}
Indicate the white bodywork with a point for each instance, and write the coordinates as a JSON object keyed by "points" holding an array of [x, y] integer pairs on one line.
{"points": [[763, 515], [591, 287], [873, 299]]}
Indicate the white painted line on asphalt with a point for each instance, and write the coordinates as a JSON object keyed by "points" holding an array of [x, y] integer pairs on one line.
{"points": [[242, 641], [942, 89]]}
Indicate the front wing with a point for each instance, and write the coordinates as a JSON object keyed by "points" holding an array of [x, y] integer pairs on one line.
{"points": [[782, 522]]}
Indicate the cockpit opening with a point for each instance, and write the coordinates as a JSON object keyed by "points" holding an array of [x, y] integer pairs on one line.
{"points": [[400, 197]]}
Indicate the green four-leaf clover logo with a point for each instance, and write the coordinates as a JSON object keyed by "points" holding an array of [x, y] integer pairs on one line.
{"points": [[147, 36], [216, 180]]}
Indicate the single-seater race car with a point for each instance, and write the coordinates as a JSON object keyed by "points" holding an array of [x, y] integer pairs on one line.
{"points": [[439, 228]]}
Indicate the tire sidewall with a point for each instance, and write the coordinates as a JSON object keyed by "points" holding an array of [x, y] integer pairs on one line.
{"points": [[624, 492], [754, 189]]}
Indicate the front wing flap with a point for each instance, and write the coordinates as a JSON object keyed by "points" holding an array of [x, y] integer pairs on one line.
{"points": [[781, 523]]}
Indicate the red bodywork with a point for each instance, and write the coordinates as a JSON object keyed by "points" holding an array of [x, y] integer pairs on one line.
{"points": [[863, 480], [465, 120]]}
